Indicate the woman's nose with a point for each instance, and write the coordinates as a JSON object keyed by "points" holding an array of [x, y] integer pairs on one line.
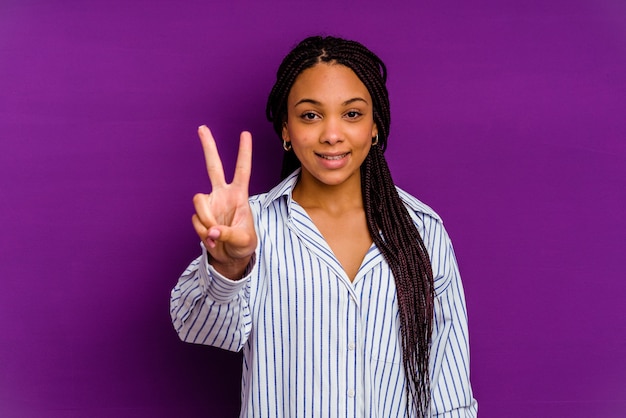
{"points": [[332, 131]]}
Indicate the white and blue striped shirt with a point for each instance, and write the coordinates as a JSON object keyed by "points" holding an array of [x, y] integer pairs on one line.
{"points": [[316, 344]]}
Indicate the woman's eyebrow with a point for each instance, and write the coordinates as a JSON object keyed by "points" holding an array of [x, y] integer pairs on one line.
{"points": [[316, 103], [354, 99], [311, 101]]}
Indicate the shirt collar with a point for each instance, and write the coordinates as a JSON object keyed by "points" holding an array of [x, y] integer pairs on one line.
{"points": [[284, 188]]}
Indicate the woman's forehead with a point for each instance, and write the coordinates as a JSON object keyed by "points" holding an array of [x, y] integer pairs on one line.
{"points": [[328, 82]]}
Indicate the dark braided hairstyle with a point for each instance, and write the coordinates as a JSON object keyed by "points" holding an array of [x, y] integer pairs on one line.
{"points": [[388, 220]]}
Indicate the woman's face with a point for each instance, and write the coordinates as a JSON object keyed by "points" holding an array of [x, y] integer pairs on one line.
{"points": [[330, 124]]}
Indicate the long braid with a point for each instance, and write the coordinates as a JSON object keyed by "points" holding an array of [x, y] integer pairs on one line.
{"points": [[394, 233], [388, 220]]}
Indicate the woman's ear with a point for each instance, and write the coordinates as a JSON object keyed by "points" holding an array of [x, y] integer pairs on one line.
{"points": [[374, 131], [285, 132]]}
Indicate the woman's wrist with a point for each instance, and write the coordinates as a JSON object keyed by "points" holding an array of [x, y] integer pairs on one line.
{"points": [[234, 270]]}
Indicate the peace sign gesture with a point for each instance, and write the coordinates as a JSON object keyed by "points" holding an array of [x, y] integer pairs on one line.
{"points": [[223, 219]]}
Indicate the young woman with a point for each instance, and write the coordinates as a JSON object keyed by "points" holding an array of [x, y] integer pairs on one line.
{"points": [[341, 289]]}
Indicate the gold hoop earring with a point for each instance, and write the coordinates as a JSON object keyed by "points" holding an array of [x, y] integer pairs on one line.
{"points": [[375, 140], [286, 145]]}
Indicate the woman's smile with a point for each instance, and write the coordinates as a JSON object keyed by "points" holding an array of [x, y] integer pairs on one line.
{"points": [[333, 157]]}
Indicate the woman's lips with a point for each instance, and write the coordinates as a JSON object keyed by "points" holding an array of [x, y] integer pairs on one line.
{"points": [[333, 161], [333, 157]]}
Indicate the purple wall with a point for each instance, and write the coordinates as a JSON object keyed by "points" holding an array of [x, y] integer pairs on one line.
{"points": [[508, 119]]}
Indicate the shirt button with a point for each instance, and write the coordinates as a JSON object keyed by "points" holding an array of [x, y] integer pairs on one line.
{"points": [[351, 393], [351, 346]]}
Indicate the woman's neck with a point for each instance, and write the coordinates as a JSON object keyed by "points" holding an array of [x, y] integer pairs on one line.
{"points": [[311, 193]]}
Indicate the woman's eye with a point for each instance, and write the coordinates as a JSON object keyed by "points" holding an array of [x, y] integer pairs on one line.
{"points": [[353, 114], [309, 116]]}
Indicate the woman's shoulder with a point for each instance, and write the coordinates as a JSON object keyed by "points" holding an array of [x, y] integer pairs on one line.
{"points": [[277, 195], [417, 208]]}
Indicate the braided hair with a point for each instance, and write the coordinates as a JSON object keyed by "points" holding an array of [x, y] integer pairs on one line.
{"points": [[388, 220]]}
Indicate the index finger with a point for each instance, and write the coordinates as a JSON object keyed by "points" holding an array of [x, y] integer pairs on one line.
{"points": [[243, 168], [211, 156]]}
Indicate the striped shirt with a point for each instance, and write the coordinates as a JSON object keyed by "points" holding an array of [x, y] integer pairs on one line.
{"points": [[316, 344]]}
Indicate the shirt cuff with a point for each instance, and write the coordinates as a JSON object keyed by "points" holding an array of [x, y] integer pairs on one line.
{"points": [[217, 286]]}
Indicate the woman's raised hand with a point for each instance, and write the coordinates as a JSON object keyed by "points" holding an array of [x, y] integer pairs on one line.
{"points": [[223, 219]]}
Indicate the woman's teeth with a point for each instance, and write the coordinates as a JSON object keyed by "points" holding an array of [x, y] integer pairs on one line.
{"points": [[333, 157]]}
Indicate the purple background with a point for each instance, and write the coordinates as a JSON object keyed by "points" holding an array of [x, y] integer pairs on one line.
{"points": [[508, 119]]}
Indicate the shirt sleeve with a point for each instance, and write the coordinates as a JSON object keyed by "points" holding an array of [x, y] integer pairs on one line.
{"points": [[208, 308], [451, 390]]}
